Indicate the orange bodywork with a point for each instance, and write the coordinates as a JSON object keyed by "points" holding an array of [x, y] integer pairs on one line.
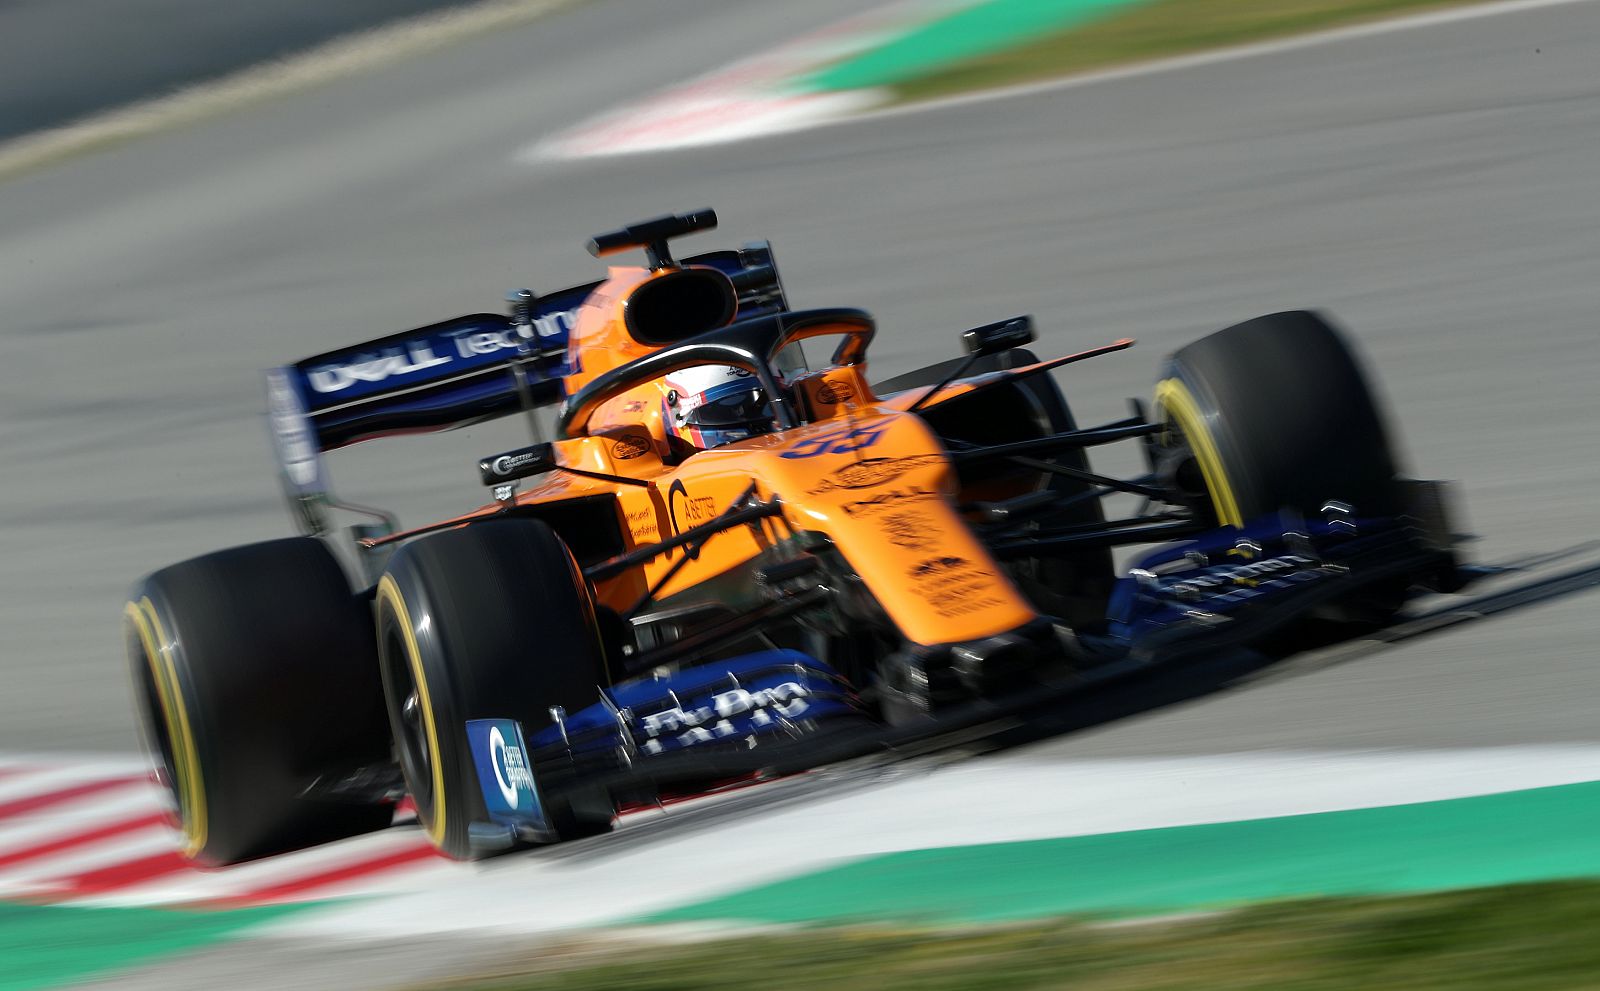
{"points": [[876, 482], [600, 341], [864, 474]]}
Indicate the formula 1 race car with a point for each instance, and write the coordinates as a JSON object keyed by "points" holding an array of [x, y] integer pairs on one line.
{"points": [[731, 561]]}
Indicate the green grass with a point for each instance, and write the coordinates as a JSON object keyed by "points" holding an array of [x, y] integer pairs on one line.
{"points": [[1156, 30], [1514, 938]]}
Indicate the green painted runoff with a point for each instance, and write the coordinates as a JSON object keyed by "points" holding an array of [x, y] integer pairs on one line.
{"points": [[1534, 835], [48, 946]]}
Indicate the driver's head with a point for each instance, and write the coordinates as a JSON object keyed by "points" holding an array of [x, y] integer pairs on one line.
{"points": [[712, 405]]}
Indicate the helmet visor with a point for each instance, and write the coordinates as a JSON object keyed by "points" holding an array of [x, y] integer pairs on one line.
{"points": [[744, 409]]}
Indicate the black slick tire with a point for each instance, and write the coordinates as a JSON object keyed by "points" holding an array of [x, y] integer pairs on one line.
{"points": [[255, 678], [1277, 414], [488, 621]]}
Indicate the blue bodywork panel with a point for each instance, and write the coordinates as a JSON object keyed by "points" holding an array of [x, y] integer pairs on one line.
{"points": [[505, 774], [1276, 565], [739, 701], [737, 705]]}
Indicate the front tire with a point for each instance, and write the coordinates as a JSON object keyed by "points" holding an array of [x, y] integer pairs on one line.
{"points": [[488, 621], [255, 678], [1275, 413]]}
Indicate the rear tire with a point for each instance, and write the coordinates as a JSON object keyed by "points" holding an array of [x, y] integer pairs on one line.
{"points": [[1277, 414], [488, 621], [255, 676]]}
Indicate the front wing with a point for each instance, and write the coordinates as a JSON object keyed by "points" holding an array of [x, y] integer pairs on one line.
{"points": [[782, 711]]}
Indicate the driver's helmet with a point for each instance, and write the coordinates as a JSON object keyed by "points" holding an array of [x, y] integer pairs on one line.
{"points": [[712, 405]]}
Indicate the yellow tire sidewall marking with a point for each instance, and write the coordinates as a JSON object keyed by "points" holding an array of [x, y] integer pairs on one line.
{"points": [[434, 821], [1177, 402], [175, 713]]}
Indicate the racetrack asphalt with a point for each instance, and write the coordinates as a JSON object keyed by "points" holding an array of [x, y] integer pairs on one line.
{"points": [[63, 59], [1433, 189]]}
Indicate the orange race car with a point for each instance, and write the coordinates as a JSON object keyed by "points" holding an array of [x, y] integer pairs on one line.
{"points": [[732, 561]]}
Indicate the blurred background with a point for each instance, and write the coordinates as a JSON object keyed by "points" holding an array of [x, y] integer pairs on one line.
{"points": [[66, 61], [177, 216]]}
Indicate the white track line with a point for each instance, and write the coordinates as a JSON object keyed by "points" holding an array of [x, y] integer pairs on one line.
{"points": [[234, 882], [79, 760], [38, 780], [128, 796], [401, 879], [80, 815], [50, 873], [750, 96]]}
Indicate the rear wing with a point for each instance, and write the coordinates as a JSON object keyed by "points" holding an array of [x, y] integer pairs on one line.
{"points": [[447, 375]]}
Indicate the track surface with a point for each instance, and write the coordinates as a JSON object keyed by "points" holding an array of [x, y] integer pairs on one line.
{"points": [[1434, 189], [61, 59]]}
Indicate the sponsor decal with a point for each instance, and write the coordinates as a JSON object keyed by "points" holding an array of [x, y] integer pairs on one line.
{"points": [[950, 607], [909, 529], [476, 342], [939, 566], [699, 509], [954, 586], [642, 525], [375, 367], [696, 509], [504, 772], [630, 446], [419, 355], [511, 771], [471, 343], [508, 464], [888, 499], [1244, 575], [634, 406], [687, 511], [702, 724], [834, 393], [873, 472], [556, 324], [843, 441]]}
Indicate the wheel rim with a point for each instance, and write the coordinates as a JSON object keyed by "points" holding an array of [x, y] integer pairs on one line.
{"points": [[410, 739]]}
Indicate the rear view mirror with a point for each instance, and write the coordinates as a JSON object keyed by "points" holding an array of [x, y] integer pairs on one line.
{"points": [[521, 463], [996, 337]]}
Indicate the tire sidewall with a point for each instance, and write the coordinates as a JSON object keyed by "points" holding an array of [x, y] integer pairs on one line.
{"points": [[494, 622], [256, 664], [1279, 414]]}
